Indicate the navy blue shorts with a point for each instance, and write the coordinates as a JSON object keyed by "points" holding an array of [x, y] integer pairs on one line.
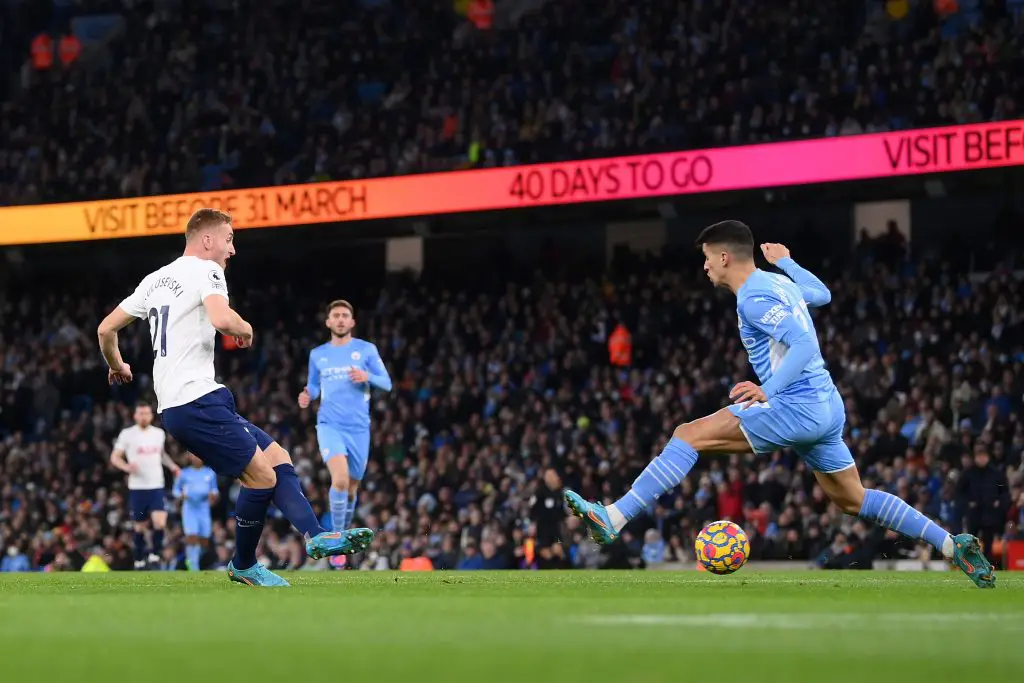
{"points": [[142, 502], [214, 432]]}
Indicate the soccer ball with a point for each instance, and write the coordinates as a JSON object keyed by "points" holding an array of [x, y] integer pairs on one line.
{"points": [[722, 547]]}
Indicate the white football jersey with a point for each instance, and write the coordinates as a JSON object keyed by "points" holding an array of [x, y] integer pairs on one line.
{"points": [[171, 299], [145, 448]]}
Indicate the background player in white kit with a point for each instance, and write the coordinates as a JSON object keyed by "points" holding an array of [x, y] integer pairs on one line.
{"points": [[186, 304], [139, 453]]}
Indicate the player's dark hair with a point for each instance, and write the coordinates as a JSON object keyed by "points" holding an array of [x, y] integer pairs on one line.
{"points": [[735, 236], [205, 218], [340, 303], [143, 404]]}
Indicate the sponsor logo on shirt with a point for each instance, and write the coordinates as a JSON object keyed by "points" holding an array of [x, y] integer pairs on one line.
{"points": [[775, 315]]}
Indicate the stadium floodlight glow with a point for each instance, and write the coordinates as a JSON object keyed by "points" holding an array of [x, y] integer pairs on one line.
{"points": [[747, 167]]}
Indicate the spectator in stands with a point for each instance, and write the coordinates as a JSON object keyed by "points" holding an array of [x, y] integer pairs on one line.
{"points": [[985, 497]]}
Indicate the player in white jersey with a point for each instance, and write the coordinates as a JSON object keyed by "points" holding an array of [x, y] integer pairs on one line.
{"points": [[139, 453], [186, 304]]}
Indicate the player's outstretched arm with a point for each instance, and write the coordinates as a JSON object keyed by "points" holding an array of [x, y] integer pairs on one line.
{"points": [[814, 291], [378, 372], [115, 321], [788, 326]]}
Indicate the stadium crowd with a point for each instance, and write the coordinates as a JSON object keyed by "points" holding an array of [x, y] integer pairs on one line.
{"points": [[505, 394], [173, 97]]}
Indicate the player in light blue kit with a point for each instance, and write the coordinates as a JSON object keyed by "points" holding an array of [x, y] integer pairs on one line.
{"points": [[341, 374], [796, 406], [196, 486]]}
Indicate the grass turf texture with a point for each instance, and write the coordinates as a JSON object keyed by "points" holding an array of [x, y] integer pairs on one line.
{"points": [[522, 626]]}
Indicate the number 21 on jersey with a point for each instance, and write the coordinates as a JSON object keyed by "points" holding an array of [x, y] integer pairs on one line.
{"points": [[158, 329]]}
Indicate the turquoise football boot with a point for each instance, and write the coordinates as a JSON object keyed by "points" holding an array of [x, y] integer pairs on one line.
{"points": [[968, 556], [594, 516], [331, 543], [256, 575]]}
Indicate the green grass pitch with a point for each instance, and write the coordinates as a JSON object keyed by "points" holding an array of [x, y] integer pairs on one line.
{"points": [[513, 626]]}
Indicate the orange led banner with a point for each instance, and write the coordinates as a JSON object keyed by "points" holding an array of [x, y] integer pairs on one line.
{"points": [[827, 160]]}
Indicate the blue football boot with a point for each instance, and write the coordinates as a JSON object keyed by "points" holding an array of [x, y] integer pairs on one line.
{"points": [[594, 516], [968, 556], [256, 575], [331, 543]]}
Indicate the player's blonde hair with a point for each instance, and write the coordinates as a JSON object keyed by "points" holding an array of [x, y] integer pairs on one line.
{"points": [[203, 219]]}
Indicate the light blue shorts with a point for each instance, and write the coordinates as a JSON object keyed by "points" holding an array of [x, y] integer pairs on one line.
{"points": [[813, 430], [196, 522], [353, 444]]}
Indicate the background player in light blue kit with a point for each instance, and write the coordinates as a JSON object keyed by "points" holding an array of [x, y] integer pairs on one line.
{"points": [[796, 406], [341, 374], [196, 486]]}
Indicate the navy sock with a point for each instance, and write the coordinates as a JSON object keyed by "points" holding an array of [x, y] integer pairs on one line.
{"points": [[339, 509], [893, 513], [139, 540], [662, 474], [250, 513], [291, 501], [158, 541]]}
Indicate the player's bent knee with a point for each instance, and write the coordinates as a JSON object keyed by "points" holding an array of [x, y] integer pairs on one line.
{"points": [[338, 467], [159, 520], [259, 474], [277, 455]]}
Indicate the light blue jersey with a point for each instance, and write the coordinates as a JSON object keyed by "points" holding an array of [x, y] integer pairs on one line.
{"points": [[344, 403], [194, 486], [343, 419], [778, 333], [804, 411]]}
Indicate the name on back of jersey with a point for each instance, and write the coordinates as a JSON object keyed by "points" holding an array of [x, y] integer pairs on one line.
{"points": [[166, 282]]}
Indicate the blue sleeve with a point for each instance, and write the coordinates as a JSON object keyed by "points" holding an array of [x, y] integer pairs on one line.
{"points": [[313, 382], [379, 376], [176, 491], [814, 291], [785, 325]]}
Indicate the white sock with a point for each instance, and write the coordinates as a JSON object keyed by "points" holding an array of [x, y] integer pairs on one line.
{"points": [[947, 547], [617, 518]]}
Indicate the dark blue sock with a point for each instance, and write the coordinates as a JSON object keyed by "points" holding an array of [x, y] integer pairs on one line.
{"points": [[250, 513], [291, 501], [139, 539], [661, 474], [158, 541]]}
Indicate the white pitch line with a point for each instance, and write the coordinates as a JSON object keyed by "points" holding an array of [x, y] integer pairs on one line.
{"points": [[855, 621]]}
